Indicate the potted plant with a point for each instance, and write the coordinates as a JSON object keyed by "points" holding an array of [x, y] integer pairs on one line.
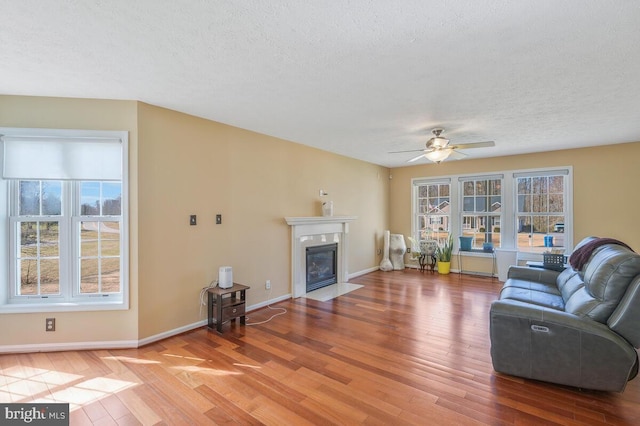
{"points": [[443, 253]]}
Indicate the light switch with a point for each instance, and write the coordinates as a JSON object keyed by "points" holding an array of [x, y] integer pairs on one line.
{"points": [[192, 220], [218, 219]]}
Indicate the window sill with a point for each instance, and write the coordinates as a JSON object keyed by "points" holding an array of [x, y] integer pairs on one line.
{"points": [[475, 253]]}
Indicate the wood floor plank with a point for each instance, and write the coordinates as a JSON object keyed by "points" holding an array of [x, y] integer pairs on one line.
{"points": [[406, 348]]}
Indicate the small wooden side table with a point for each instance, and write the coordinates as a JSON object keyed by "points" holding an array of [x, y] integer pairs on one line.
{"points": [[223, 304]]}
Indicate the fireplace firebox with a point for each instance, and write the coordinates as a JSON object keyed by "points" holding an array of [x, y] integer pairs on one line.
{"points": [[322, 266]]}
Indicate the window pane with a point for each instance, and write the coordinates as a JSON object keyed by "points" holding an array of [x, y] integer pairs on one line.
{"points": [[38, 258], [111, 198], [89, 239], [423, 205], [109, 239], [539, 185], [28, 239], [496, 204], [468, 205], [524, 203], [556, 184], [556, 203], [110, 273], [481, 204], [481, 187], [28, 276], [29, 197], [49, 239], [524, 186], [539, 203], [90, 198], [89, 273], [51, 198], [49, 276], [468, 188], [495, 187]]}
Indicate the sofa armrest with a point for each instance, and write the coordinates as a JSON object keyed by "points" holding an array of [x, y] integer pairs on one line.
{"points": [[551, 345], [538, 275]]}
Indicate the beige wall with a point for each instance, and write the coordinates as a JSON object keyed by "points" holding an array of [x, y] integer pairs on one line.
{"points": [[189, 165], [605, 180], [71, 327], [182, 165]]}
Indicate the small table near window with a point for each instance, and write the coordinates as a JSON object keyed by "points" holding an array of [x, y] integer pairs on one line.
{"points": [[223, 304], [542, 265]]}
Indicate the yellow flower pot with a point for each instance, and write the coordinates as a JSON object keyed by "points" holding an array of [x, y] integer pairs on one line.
{"points": [[444, 267]]}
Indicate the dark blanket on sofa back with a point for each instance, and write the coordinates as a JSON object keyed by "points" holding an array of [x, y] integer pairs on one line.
{"points": [[582, 254]]}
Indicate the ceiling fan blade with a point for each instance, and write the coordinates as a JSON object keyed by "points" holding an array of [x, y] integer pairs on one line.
{"points": [[456, 155], [411, 150], [485, 144], [416, 158]]}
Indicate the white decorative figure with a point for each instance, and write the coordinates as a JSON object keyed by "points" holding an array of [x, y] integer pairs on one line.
{"points": [[397, 249], [386, 264], [327, 208]]}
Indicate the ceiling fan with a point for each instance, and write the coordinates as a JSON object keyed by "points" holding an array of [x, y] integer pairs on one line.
{"points": [[438, 148]]}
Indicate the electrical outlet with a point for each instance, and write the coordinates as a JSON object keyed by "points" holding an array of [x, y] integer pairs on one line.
{"points": [[50, 324], [408, 250], [379, 251], [267, 285]]}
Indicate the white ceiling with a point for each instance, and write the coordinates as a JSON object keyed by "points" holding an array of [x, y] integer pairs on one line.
{"points": [[358, 78]]}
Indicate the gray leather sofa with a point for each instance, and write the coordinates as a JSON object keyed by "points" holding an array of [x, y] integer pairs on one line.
{"points": [[576, 328]]}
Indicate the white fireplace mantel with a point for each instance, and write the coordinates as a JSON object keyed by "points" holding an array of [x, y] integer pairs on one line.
{"points": [[303, 231]]}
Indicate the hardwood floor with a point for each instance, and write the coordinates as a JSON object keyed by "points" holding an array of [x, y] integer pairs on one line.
{"points": [[407, 348]]}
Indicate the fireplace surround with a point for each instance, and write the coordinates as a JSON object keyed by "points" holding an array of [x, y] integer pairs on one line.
{"points": [[317, 231]]}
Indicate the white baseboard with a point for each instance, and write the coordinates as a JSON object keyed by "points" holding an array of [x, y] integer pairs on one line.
{"points": [[71, 346], [364, 271]]}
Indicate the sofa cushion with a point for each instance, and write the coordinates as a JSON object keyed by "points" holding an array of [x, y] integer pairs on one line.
{"points": [[536, 295], [568, 282], [607, 275]]}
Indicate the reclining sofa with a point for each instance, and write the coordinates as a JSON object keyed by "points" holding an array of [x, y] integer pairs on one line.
{"points": [[576, 327]]}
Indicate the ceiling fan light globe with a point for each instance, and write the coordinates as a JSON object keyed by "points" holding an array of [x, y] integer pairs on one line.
{"points": [[438, 155]]}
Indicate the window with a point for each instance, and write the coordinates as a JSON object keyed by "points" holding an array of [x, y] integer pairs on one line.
{"points": [[481, 210], [67, 230], [433, 210], [528, 210], [541, 214]]}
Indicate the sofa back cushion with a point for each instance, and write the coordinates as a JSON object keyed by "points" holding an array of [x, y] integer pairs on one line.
{"points": [[569, 281], [606, 277]]}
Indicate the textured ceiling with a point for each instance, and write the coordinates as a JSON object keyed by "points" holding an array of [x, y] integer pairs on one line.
{"points": [[358, 78]]}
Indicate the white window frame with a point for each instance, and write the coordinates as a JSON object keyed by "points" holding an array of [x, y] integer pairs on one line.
{"points": [[475, 214], [69, 300], [416, 183], [508, 217]]}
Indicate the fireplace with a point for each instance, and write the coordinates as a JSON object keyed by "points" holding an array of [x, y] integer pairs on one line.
{"points": [[321, 266], [318, 231]]}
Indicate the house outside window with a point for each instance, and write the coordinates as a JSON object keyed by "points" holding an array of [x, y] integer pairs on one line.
{"points": [[67, 230]]}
